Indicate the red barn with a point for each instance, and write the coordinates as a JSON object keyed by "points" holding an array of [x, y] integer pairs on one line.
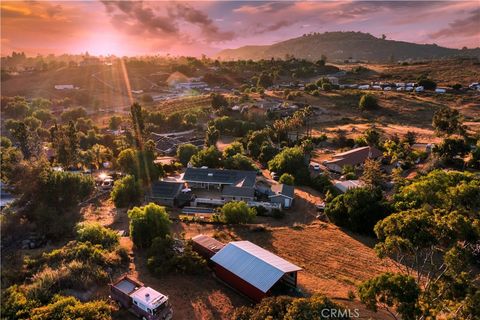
{"points": [[253, 270], [206, 246]]}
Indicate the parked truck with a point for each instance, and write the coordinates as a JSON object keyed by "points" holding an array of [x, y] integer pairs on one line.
{"points": [[144, 302]]}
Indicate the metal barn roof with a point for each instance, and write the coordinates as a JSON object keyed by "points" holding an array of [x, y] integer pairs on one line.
{"points": [[255, 265]]}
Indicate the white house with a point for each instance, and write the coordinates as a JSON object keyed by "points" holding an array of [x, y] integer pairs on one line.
{"points": [[282, 194]]}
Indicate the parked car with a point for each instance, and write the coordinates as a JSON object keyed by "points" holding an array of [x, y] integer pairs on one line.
{"points": [[144, 302], [320, 206]]}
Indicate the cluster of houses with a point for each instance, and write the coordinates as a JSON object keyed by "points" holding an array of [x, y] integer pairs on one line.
{"points": [[247, 268], [200, 189]]}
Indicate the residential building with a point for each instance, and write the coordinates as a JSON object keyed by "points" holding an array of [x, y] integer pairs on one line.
{"points": [[344, 186], [282, 194], [352, 157], [218, 178], [168, 193]]}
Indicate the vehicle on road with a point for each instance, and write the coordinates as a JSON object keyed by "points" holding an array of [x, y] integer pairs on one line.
{"points": [[144, 302]]}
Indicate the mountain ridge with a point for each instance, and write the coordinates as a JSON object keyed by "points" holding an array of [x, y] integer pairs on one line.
{"points": [[339, 45]]}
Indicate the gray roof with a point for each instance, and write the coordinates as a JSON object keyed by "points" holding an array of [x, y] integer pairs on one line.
{"points": [[165, 189], [255, 265], [283, 189], [238, 191], [222, 176]]}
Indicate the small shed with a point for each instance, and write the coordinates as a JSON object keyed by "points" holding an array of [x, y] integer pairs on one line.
{"points": [[206, 246], [253, 270]]}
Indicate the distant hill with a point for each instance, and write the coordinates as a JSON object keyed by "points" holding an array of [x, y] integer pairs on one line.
{"points": [[344, 45]]}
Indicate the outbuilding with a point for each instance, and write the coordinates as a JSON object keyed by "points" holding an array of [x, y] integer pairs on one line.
{"points": [[206, 246], [252, 270]]}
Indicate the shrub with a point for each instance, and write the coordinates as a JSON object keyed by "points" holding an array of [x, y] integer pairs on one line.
{"points": [[164, 258], [126, 192], [327, 87], [428, 84], [287, 178], [62, 307], [278, 214], [237, 212], [321, 183], [368, 102], [147, 223], [185, 152], [289, 308], [97, 234], [358, 209]]}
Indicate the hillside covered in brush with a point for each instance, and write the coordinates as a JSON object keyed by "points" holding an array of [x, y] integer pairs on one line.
{"points": [[344, 45]]}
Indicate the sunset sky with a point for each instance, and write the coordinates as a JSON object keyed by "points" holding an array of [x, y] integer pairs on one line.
{"points": [[193, 28]]}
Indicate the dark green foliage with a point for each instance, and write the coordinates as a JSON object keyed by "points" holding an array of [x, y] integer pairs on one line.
{"points": [[452, 151], [164, 258], [97, 234], [73, 114], [358, 209], [265, 80], [139, 164], [185, 152], [428, 84], [287, 178], [317, 307], [147, 223], [239, 162], [441, 189], [390, 290], [209, 157], [292, 161], [267, 152], [237, 212], [255, 141], [447, 121], [368, 102], [218, 101], [321, 183], [114, 123], [211, 136]]}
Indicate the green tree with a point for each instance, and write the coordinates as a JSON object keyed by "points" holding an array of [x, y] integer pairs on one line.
{"points": [[43, 115], [239, 162], [447, 121], [265, 80], [396, 293], [139, 164], [368, 102], [115, 122], [292, 161], [267, 152], [211, 136], [126, 192], [451, 150], [233, 149], [147, 223], [372, 137], [209, 157], [287, 178], [237, 212], [185, 152], [372, 176], [218, 101], [358, 209], [255, 141], [73, 114]]}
